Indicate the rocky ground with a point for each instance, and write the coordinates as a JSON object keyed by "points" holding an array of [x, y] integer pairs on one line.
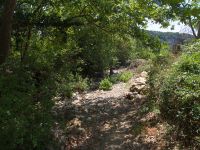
{"points": [[111, 120]]}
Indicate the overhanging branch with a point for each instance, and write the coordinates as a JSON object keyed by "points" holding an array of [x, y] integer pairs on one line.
{"points": [[50, 21], [191, 26]]}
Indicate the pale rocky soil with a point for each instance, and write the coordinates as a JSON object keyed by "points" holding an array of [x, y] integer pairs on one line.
{"points": [[111, 120]]}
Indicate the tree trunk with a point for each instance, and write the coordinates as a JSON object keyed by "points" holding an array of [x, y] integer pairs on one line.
{"points": [[24, 52], [198, 31], [192, 28], [6, 28], [111, 71]]}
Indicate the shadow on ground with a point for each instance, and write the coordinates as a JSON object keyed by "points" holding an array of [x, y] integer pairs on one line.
{"points": [[107, 124]]}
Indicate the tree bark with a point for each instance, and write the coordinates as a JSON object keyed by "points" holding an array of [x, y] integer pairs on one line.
{"points": [[192, 28], [24, 52], [6, 28], [198, 31]]}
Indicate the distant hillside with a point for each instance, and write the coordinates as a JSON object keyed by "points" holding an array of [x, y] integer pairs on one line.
{"points": [[172, 37]]}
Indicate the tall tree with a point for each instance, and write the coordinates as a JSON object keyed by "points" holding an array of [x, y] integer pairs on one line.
{"points": [[6, 28], [186, 11]]}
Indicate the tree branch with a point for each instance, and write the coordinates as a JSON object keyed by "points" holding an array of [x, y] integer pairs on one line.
{"points": [[191, 26], [50, 21]]}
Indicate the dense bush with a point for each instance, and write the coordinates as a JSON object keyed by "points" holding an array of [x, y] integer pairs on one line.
{"points": [[125, 76], [114, 78], [105, 84], [80, 84], [125, 49], [98, 51], [180, 94], [157, 68], [26, 92], [25, 111]]}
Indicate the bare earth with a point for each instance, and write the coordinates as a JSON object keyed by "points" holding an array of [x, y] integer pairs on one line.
{"points": [[107, 120]]}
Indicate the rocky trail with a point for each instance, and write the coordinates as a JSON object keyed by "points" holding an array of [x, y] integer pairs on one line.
{"points": [[111, 120]]}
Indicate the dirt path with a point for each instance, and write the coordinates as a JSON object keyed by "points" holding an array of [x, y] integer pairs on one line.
{"points": [[110, 121]]}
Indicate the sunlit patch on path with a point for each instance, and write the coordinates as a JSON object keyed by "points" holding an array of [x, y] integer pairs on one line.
{"points": [[108, 120]]}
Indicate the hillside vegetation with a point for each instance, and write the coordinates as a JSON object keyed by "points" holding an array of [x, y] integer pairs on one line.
{"points": [[172, 37], [175, 89], [180, 93]]}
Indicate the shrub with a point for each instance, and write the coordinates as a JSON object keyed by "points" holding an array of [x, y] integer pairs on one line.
{"points": [[25, 112], [163, 59], [105, 84], [114, 78], [158, 70], [80, 84], [26, 93], [65, 90], [125, 76], [180, 95]]}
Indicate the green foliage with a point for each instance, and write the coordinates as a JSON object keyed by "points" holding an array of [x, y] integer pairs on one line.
{"points": [[80, 84], [114, 78], [163, 58], [27, 90], [97, 51], [159, 65], [125, 49], [171, 36], [58, 44], [105, 84], [147, 47], [186, 12], [125, 76], [65, 89], [180, 94], [120, 77], [25, 110]]}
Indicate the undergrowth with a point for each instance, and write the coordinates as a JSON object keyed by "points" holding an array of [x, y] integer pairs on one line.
{"points": [[175, 89]]}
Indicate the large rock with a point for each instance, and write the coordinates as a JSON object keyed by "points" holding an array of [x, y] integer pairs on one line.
{"points": [[140, 84], [144, 74], [140, 89]]}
